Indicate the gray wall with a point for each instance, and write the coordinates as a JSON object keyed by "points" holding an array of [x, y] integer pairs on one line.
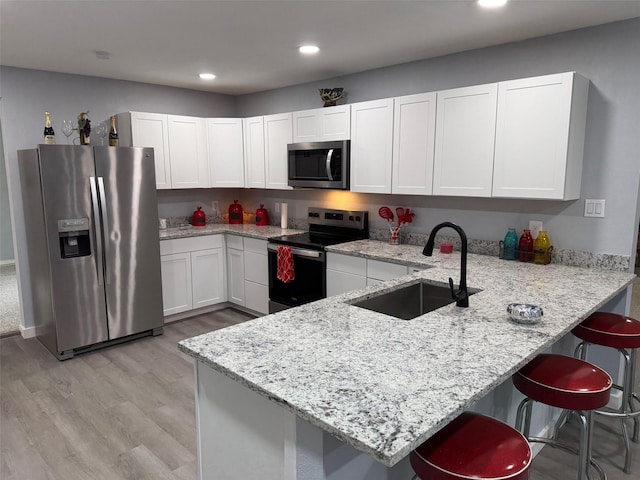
{"points": [[6, 240], [27, 94], [607, 55]]}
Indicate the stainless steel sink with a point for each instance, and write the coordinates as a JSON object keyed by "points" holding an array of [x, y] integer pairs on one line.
{"points": [[409, 302]]}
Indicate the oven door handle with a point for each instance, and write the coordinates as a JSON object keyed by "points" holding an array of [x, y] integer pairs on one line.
{"points": [[328, 166], [299, 252]]}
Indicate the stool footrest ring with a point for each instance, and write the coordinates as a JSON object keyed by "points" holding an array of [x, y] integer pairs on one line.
{"points": [[563, 446], [618, 413]]}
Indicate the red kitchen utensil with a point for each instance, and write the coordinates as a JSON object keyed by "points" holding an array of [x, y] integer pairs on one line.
{"points": [[400, 213], [386, 213]]}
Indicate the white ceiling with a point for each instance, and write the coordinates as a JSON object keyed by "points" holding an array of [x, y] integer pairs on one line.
{"points": [[252, 45]]}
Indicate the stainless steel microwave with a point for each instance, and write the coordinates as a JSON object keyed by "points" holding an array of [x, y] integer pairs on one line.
{"points": [[319, 164]]}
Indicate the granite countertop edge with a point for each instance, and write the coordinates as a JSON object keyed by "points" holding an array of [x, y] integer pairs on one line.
{"points": [[244, 230], [255, 353]]}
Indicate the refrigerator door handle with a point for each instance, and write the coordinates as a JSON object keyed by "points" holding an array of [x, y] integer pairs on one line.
{"points": [[96, 230], [105, 226]]}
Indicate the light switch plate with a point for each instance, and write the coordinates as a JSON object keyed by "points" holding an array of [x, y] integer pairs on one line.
{"points": [[594, 208], [535, 226]]}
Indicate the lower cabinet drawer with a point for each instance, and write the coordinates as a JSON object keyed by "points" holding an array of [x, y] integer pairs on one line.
{"points": [[256, 267], [190, 244], [384, 270]]}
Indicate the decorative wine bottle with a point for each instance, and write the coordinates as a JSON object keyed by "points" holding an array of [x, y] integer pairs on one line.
{"points": [[113, 133], [49, 135]]}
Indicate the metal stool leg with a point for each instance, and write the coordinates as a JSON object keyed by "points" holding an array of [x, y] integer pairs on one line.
{"points": [[564, 417], [523, 415]]}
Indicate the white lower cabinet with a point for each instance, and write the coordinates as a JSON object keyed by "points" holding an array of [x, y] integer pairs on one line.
{"points": [[248, 273], [193, 273], [346, 273], [176, 283]]}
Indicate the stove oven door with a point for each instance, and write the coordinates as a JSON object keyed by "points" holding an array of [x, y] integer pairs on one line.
{"points": [[308, 285]]}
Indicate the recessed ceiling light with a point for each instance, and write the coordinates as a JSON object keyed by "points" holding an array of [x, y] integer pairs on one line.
{"points": [[309, 49], [492, 3], [207, 76]]}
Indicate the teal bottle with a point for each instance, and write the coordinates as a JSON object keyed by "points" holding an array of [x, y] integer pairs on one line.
{"points": [[510, 244]]}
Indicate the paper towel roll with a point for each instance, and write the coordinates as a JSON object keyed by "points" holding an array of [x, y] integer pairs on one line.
{"points": [[284, 215]]}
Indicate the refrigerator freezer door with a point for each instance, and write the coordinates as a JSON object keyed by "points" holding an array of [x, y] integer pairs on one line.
{"points": [[128, 202], [77, 296]]}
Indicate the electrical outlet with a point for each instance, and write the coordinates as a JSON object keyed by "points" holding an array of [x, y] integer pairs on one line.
{"points": [[535, 226], [214, 207], [277, 207], [593, 208]]}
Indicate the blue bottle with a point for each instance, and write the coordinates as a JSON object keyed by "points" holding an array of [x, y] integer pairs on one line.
{"points": [[510, 244]]}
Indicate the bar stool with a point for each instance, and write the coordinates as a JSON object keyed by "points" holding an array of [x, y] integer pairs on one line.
{"points": [[623, 334], [568, 383], [473, 446]]}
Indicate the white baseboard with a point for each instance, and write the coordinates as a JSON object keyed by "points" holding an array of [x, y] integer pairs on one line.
{"points": [[27, 332], [7, 262]]}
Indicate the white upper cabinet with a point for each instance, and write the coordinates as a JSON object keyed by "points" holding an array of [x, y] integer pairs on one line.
{"points": [[540, 137], [139, 129], [226, 152], [254, 152], [414, 127], [371, 146], [277, 135], [188, 152], [465, 134], [322, 124]]}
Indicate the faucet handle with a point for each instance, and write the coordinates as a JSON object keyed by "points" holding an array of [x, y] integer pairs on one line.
{"points": [[460, 296], [454, 294]]}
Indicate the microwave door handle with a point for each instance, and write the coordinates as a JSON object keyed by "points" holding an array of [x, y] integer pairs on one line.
{"points": [[329, 155]]}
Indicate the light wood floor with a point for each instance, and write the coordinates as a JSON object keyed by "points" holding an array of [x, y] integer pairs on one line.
{"points": [[127, 412]]}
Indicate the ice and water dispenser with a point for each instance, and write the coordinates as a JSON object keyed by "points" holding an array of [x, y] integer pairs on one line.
{"points": [[74, 237]]}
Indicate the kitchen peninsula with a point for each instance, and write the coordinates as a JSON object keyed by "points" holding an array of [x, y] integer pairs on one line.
{"points": [[269, 389]]}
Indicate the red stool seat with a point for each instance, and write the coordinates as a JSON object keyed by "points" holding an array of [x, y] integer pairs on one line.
{"points": [[610, 330], [564, 382], [473, 446]]}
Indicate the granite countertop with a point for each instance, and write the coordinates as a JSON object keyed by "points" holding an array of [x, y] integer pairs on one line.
{"points": [[385, 385], [246, 230]]}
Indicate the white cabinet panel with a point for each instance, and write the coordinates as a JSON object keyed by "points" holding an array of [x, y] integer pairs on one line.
{"points": [[188, 152], [256, 267], [257, 297], [277, 135], [414, 127], [190, 244], [138, 129], [255, 245], [235, 276], [207, 274], [371, 146], [384, 270], [226, 152], [254, 152], [176, 283], [540, 137], [322, 124], [347, 264], [341, 282], [465, 134]]}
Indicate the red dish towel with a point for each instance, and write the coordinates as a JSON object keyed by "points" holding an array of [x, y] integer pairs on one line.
{"points": [[285, 264]]}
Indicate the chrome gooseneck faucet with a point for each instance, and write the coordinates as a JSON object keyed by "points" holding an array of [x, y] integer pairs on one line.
{"points": [[461, 296]]}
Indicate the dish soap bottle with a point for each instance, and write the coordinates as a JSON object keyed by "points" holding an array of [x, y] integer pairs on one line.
{"points": [[525, 246], [510, 244], [541, 248]]}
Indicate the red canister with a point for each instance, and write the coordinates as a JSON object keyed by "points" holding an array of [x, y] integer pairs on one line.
{"points": [[262, 216], [199, 218], [235, 213]]}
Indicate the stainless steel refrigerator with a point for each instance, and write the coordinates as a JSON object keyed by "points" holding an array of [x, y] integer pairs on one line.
{"points": [[91, 220]]}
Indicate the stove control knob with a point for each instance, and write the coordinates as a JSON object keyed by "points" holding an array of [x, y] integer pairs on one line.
{"points": [[358, 218], [351, 217]]}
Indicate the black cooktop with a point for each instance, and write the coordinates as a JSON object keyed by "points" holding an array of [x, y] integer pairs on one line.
{"points": [[328, 227], [311, 240]]}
